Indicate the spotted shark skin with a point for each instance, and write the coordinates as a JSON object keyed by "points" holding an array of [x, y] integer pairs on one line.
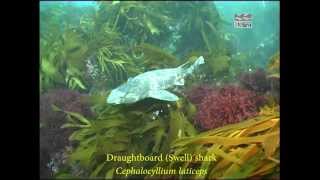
{"points": [[153, 84]]}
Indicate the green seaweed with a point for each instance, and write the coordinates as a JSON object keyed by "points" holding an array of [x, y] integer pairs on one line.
{"points": [[219, 65], [273, 68], [128, 29], [50, 64], [139, 21], [200, 28], [123, 39], [75, 48], [154, 57], [124, 130], [64, 54]]}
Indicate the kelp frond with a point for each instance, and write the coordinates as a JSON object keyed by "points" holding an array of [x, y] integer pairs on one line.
{"points": [[124, 130], [155, 57], [246, 149]]}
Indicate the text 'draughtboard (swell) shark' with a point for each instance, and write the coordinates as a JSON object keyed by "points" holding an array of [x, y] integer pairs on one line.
{"points": [[153, 84]]}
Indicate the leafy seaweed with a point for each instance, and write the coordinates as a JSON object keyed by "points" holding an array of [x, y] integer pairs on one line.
{"points": [[199, 28], [125, 130], [237, 147], [153, 57], [96, 49], [274, 66]]}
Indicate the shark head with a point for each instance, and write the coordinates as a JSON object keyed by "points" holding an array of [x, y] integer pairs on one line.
{"points": [[121, 96], [116, 97]]}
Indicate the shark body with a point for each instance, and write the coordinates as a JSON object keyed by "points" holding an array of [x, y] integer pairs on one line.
{"points": [[153, 84]]}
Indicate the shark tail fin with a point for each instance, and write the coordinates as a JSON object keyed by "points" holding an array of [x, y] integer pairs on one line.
{"points": [[198, 62]]}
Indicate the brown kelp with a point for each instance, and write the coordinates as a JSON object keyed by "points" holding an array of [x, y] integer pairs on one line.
{"points": [[273, 68], [218, 67], [200, 25], [154, 57], [138, 22], [243, 150], [148, 127], [273, 71], [94, 50], [246, 149], [59, 40], [134, 34], [64, 55]]}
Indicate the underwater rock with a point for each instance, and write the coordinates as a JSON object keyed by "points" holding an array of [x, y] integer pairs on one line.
{"points": [[45, 172], [227, 105]]}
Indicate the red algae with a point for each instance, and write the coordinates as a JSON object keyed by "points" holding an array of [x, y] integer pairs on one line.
{"points": [[222, 106]]}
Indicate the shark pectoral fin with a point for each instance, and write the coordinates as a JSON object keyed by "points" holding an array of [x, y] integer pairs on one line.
{"points": [[163, 95]]}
